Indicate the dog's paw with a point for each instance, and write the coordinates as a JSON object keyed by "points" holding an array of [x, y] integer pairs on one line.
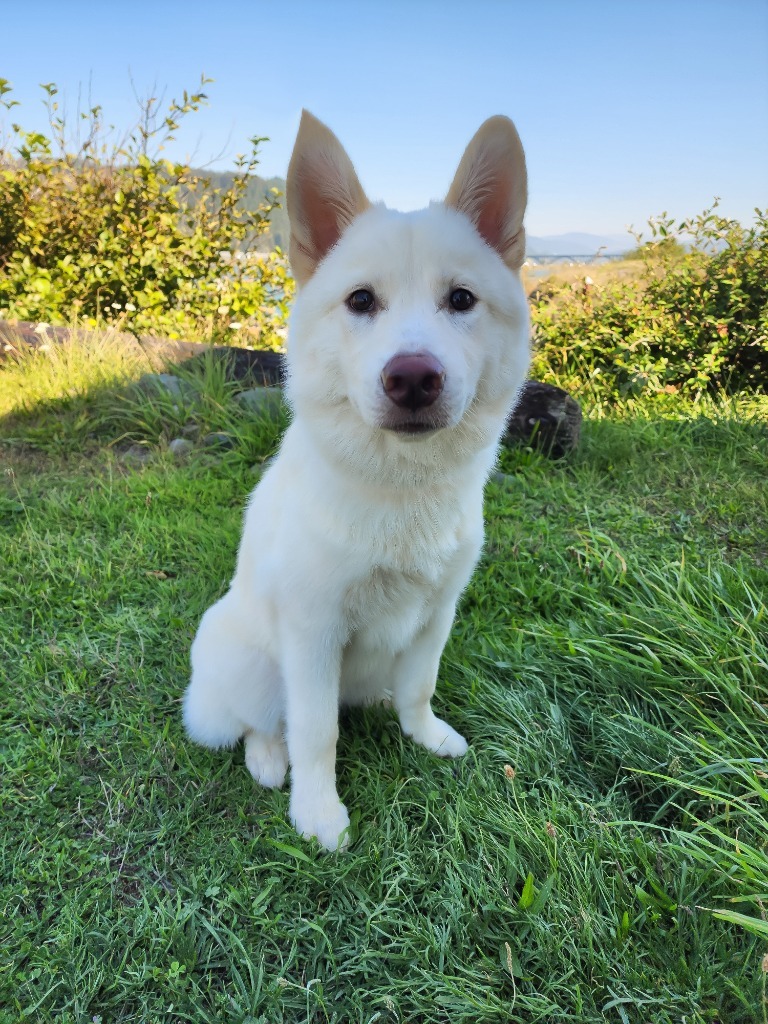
{"points": [[439, 737], [266, 758], [327, 820]]}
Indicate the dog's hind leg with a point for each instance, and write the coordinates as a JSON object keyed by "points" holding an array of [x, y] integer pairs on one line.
{"points": [[236, 691], [266, 758]]}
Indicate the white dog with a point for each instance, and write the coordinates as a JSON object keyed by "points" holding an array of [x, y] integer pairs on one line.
{"points": [[408, 345]]}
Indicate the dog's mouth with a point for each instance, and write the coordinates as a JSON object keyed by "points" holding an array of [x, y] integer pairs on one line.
{"points": [[411, 427]]}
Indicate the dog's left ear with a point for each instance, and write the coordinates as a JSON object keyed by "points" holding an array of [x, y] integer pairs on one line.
{"points": [[323, 195], [491, 188]]}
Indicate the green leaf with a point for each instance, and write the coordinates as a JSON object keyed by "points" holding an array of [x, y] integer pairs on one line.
{"points": [[543, 895], [292, 851], [528, 894], [755, 925]]}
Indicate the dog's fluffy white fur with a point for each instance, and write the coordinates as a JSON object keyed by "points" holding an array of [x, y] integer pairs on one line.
{"points": [[361, 536]]}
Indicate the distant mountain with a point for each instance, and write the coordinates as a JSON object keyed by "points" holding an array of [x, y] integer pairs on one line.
{"points": [[259, 189], [573, 243], [577, 243]]}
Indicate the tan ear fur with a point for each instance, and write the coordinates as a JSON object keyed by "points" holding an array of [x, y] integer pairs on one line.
{"points": [[323, 195], [491, 188]]}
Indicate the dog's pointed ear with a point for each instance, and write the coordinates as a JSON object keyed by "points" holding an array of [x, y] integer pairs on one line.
{"points": [[491, 188], [323, 195]]}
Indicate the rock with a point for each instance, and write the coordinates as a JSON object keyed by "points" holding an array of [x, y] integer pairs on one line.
{"points": [[261, 401], [219, 440], [259, 468], [545, 417], [137, 453], [260, 366], [180, 447], [177, 388]]}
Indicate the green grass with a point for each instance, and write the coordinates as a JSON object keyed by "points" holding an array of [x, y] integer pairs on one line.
{"points": [[599, 855]]}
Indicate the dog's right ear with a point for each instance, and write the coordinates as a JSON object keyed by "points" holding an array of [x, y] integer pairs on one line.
{"points": [[323, 194]]}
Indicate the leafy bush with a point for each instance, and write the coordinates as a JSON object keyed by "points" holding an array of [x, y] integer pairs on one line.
{"points": [[104, 233], [669, 246], [696, 321]]}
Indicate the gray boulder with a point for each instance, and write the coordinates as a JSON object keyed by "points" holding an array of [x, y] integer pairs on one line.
{"points": [[154, 383], [180, 447], [261, 401], [545, 417]]}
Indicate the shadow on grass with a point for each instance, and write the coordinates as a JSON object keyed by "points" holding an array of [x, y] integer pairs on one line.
{"points": [[64, 406]]}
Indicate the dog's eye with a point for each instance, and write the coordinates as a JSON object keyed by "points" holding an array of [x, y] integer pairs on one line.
{"points": [[362, 301], [461, 299]]}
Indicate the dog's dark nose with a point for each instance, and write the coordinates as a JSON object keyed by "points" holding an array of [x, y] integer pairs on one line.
{"points": [[413, 381]]}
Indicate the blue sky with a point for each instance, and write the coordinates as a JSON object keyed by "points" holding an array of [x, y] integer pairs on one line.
{"points": [[626, 108]]}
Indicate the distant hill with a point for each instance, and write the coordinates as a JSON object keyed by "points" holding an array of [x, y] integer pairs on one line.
{"points": [[574, 243], [258, 189], [577, 243]]}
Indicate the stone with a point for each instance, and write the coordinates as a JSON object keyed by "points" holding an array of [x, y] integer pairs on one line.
{"points": [[259, 468], [218, 439], [258, 366], [180, 447], [545, 417], [261, 401], [137, 453], [177, 388]]}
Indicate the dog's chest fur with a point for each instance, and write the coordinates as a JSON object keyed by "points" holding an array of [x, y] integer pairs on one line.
{"points": [[387, 607], [391, 601]]}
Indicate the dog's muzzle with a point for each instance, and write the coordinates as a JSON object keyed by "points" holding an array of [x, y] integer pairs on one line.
{"points": [[413, 382]]}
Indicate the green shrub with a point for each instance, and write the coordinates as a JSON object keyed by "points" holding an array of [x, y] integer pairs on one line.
{"points": [[696, 321], [115, 233], [668, 246]]}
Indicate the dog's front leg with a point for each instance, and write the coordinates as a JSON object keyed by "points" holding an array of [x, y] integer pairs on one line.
{"points": [[414, 685], [312, 666]]}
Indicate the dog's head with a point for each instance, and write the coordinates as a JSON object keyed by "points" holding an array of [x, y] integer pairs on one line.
{"points": [[414, 324]]}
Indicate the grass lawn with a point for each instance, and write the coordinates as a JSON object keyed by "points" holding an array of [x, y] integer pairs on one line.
{"points": [[600, 854]]}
